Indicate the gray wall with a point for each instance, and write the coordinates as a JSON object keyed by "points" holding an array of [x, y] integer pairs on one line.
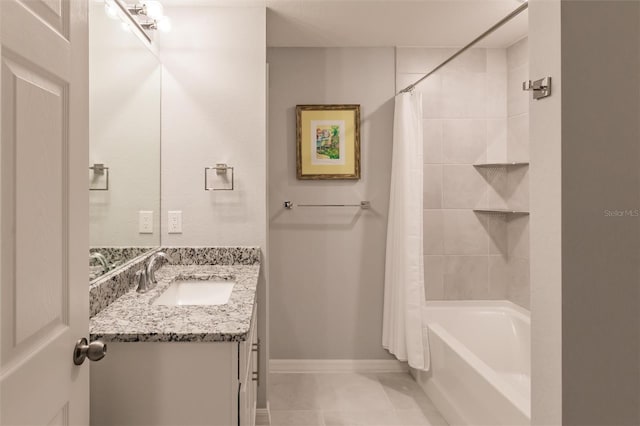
{"points": [[600, 173], [213, 111], [327, 265]]}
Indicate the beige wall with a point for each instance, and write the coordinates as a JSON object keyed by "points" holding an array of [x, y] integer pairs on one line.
{"points": [[327, 265], [473, 113], [213, 111]]}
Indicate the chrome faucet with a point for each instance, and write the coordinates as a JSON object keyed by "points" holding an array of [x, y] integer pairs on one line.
{"points": [[101, 259], [151, 273], [147, 275]]}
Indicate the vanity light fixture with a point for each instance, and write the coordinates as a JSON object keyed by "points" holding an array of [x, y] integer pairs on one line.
{"points": [[111, 9], [146, 15], [163, 24], [151, 9], [117, 9], [150, 15]]}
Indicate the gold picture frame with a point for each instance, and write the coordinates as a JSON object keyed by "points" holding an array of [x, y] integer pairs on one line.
{"points": [[328, 141]]}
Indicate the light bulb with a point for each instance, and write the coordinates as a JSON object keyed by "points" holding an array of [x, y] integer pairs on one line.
{"points": [[153, 9], [164, 24], [111, 9]]}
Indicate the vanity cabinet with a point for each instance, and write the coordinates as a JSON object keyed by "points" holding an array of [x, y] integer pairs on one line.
{"points": [[177, 383]]}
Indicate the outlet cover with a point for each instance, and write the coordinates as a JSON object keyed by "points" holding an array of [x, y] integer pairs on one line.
{"points": [[145, 222], [175, 222]]}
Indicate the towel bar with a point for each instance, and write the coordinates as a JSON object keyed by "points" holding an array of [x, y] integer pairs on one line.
{"points": [[363, 205]]}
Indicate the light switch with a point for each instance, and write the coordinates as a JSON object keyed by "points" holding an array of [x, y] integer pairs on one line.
{"points": [[145, 222], [175, 222]]}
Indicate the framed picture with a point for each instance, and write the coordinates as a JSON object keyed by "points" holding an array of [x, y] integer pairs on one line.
{"points": [[328, 141]]}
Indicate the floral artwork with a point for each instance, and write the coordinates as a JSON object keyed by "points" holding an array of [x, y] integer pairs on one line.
{"points": [[328, 139]]}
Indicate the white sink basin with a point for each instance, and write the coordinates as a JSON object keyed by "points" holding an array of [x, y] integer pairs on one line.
{"points": [[196, 292]]}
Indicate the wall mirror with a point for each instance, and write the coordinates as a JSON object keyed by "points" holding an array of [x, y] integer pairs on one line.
{"points": [[124, 157]]}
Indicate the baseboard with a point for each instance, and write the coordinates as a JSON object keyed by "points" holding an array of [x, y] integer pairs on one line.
{"points": [[263, 416], [337, 366]]}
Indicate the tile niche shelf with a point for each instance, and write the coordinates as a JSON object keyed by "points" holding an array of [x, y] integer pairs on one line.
{"points": [[506, 212]]}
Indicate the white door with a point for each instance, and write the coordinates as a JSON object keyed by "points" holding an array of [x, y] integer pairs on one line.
{"points": [[44, 305]]}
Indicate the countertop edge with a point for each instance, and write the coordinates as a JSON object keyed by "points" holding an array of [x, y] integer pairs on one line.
{"points": [[197, 336]]}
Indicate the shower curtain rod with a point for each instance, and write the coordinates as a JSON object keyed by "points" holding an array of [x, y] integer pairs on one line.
{"points": [[500, 23]]}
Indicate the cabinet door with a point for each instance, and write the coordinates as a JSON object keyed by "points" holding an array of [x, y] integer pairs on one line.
{"points": [[246, 402], [255, 362], [248, 389]]}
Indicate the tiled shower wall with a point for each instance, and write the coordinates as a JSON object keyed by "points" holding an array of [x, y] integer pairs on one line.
{"points": [[473, 113], [518, 289]]}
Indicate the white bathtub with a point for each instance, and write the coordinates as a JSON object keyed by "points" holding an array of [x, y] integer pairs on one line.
{"points": [[480, 362]]}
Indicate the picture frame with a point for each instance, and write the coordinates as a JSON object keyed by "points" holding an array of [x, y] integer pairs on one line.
{"points": [[328, 142]]}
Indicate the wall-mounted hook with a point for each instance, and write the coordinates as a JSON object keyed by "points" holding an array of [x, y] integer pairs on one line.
{"points": [[540, 88]]}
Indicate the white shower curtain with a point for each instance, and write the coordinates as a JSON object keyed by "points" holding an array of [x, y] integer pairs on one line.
{"points": [[404, 274]]}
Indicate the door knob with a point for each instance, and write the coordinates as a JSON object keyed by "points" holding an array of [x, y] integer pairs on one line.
{"points": [[95, 351]]}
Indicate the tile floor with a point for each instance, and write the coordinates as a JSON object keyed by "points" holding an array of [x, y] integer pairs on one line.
{"points": [[349, 399]]}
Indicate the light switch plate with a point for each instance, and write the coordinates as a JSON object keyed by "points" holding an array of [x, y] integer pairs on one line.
{"points": [[175, 222], [145, 222]]}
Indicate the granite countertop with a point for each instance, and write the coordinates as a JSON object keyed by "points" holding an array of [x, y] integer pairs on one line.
{"points": [[133, 318]]}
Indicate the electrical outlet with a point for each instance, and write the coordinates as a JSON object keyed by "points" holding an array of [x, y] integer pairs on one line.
{"points": [[175, 222], [145, 222]]}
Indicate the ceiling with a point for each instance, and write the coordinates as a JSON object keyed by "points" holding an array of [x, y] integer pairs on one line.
{"points": [[380, 23], [357, 23]]}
